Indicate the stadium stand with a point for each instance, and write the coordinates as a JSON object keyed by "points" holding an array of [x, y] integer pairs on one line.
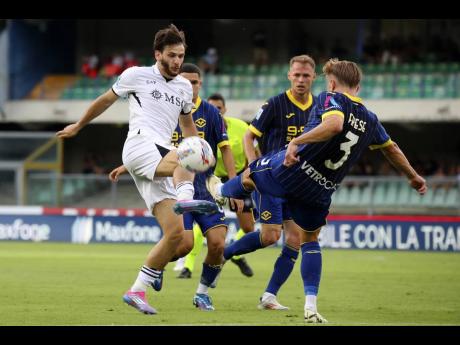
{"points": [[430, 80]]}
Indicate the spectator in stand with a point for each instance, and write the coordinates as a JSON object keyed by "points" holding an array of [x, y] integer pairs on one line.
{"points": [[90, 67], [260, 51], [91, 164], [114, 67], [130, 60], [209, 62]]}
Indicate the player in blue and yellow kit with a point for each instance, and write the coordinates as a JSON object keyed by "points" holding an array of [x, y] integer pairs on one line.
{"points": [[278, 121], [307, 173], [236, 130], [210, 127]]}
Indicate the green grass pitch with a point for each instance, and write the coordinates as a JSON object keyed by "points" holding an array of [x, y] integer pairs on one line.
{"points": [[70, 284]]}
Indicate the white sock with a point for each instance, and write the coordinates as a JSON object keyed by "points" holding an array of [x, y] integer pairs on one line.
{"points": [[185, 190], [145, 278], [267, 295], [202, 289], [179, 264], [139, 285], [310, 302]]}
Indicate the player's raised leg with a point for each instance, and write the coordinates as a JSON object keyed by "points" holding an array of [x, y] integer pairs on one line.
{"points": [[183, 180]]}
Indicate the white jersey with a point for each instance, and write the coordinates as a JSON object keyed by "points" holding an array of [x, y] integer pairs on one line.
{"points": [[154, 103]]}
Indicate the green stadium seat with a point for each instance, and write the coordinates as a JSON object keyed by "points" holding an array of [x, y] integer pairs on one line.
{"points": [[402, 86], [225, 91], [239, 69], [366, 194], [342, 195], [452, 197], [67, 94], [264, 69], [404, 192], [439, 197], [391, 194], [453, 67], [378, 197], [415, 199], [354, 197], [225, 80], [250, 69], [427, 199]]}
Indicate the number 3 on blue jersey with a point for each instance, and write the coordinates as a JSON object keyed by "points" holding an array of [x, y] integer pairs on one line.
{"points": [[346, 147]]}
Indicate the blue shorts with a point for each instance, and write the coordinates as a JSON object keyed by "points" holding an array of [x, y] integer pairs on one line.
{"points": [[270, 209], [261, 173], [205, 221], [307, 214]]}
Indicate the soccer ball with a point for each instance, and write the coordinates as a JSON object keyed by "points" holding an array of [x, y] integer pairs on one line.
{"points": [[195, 154]]}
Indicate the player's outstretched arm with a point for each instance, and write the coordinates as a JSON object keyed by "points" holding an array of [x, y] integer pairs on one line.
{"points": [[115, 173], [331, 126], [96, 108], [249, 149], [397, 158]]}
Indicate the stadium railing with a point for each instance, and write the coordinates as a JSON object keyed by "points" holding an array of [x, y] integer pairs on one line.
{"points": [[356, 194]]}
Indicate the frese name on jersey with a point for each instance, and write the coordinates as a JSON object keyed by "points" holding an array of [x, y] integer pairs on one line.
{"points": [[356, 123]]}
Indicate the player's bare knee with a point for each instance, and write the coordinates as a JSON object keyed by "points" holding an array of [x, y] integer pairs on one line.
{"points": [[175, 237], [270, 236], [310, 236], [216, 248], [293, 239]]}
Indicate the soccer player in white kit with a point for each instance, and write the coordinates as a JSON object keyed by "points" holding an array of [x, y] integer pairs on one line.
{"points": [[159, 98]]}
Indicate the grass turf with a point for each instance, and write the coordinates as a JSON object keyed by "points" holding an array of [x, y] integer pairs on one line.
{"points": [[71, 284]]}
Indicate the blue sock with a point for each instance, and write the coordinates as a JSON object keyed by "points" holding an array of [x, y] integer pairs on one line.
{"points": [[209, 273], [283, 268], [311, 267], [246, 244], [233, 188]]}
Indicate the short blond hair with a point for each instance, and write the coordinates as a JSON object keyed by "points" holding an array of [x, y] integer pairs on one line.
{"points": [[346, 72], [306, 59]]}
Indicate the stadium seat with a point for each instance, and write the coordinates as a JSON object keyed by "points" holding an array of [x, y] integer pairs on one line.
{"points": [[341, 197], [404, 192], [378, 196], [391, 194], [452, 197], [439, 197], [354, 197]]}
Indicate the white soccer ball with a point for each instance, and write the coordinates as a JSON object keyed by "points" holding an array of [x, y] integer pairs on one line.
{"points": [[195, 154]]}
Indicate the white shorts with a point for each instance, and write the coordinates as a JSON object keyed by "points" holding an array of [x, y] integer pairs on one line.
{"points": [[141, 157]]}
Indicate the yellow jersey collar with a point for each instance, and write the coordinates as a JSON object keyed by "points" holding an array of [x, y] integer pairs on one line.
{"points": [[354, 98], [197, 104], [297, 103]]}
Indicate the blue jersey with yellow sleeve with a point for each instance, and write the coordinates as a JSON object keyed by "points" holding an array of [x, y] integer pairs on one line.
{"points": [[279, 120], [211, 127], [323, 165]]}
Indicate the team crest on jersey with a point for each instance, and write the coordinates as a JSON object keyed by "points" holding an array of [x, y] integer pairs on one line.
{"points": [[200, 122], [265, 215], [156, 94]]}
